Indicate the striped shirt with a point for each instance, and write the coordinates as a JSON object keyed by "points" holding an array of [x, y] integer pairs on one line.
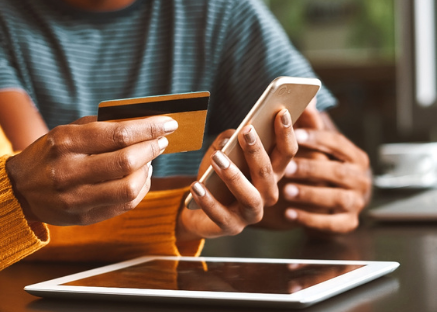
{"points": [[69, 60]]}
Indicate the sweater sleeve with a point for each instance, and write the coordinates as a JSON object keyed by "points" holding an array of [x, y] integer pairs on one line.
{"points": [[5, 145], [17, 239], [149, 229]]}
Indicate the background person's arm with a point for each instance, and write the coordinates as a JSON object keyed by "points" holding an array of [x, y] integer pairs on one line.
{"points": [[19, 118]]}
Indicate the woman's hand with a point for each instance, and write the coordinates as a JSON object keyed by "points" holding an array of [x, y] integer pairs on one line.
{"points": [[88, 171], [215, 219]]}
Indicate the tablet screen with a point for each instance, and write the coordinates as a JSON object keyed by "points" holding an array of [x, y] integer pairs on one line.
{"points": [[198, 275]]}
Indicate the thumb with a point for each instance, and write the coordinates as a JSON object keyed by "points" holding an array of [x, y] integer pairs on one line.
{"points": [[84, 120], [218, 144]]}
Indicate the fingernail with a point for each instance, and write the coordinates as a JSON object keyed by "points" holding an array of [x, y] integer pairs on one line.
{"points": [[291, 214], [301, 135], [223, 143], [286, 119], [291, 191], [221, 160], [162, 143], [250, 136], [149, 173], [198, 189], [170, 126], [291, 168], [149, 164]]}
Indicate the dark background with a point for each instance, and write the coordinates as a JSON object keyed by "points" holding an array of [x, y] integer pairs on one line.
{"points": [[353, 45]]}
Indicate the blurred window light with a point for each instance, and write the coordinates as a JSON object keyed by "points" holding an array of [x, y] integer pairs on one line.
{"points": [[425, 51]]}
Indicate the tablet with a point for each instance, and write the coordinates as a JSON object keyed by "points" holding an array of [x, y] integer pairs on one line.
{"points": [[209, 280]]}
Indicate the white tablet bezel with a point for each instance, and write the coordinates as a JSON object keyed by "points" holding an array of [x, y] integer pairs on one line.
{"points": [[308, 296]]}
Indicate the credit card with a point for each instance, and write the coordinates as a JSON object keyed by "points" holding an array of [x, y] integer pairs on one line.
{"points": [[188, 109]]}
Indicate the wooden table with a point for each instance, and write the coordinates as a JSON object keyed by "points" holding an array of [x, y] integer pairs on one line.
{"points": [[413, 287]]}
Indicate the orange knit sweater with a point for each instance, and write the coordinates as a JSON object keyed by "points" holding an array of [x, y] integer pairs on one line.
{"points": [[149, 229]]}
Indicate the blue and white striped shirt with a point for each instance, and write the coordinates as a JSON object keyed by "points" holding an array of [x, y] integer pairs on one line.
{"points": [[69, 60]]}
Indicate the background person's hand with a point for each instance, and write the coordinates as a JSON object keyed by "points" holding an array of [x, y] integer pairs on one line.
{"points": [[215, 219], [88, 171], [328, 183]]}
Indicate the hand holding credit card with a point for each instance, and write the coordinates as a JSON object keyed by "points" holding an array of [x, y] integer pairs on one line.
{"points": [[188, 109]]}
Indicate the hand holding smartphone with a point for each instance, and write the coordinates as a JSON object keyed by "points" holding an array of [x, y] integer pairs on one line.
{"points": [[289, 93]]}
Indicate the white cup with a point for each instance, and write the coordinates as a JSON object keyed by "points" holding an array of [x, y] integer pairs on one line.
{"points": [[408, 165]]}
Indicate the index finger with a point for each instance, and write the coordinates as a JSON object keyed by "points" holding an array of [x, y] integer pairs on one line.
{"points": [[108, 136], [332, 143]]}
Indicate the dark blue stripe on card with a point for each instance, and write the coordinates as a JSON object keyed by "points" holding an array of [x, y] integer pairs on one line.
{"points": [[152, 108]]}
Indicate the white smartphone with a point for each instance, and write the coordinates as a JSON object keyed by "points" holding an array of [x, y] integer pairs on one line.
{"points": [[291, 93]]}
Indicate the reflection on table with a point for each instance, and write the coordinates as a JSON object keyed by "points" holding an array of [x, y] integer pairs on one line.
{"points": [[410, 288]]}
